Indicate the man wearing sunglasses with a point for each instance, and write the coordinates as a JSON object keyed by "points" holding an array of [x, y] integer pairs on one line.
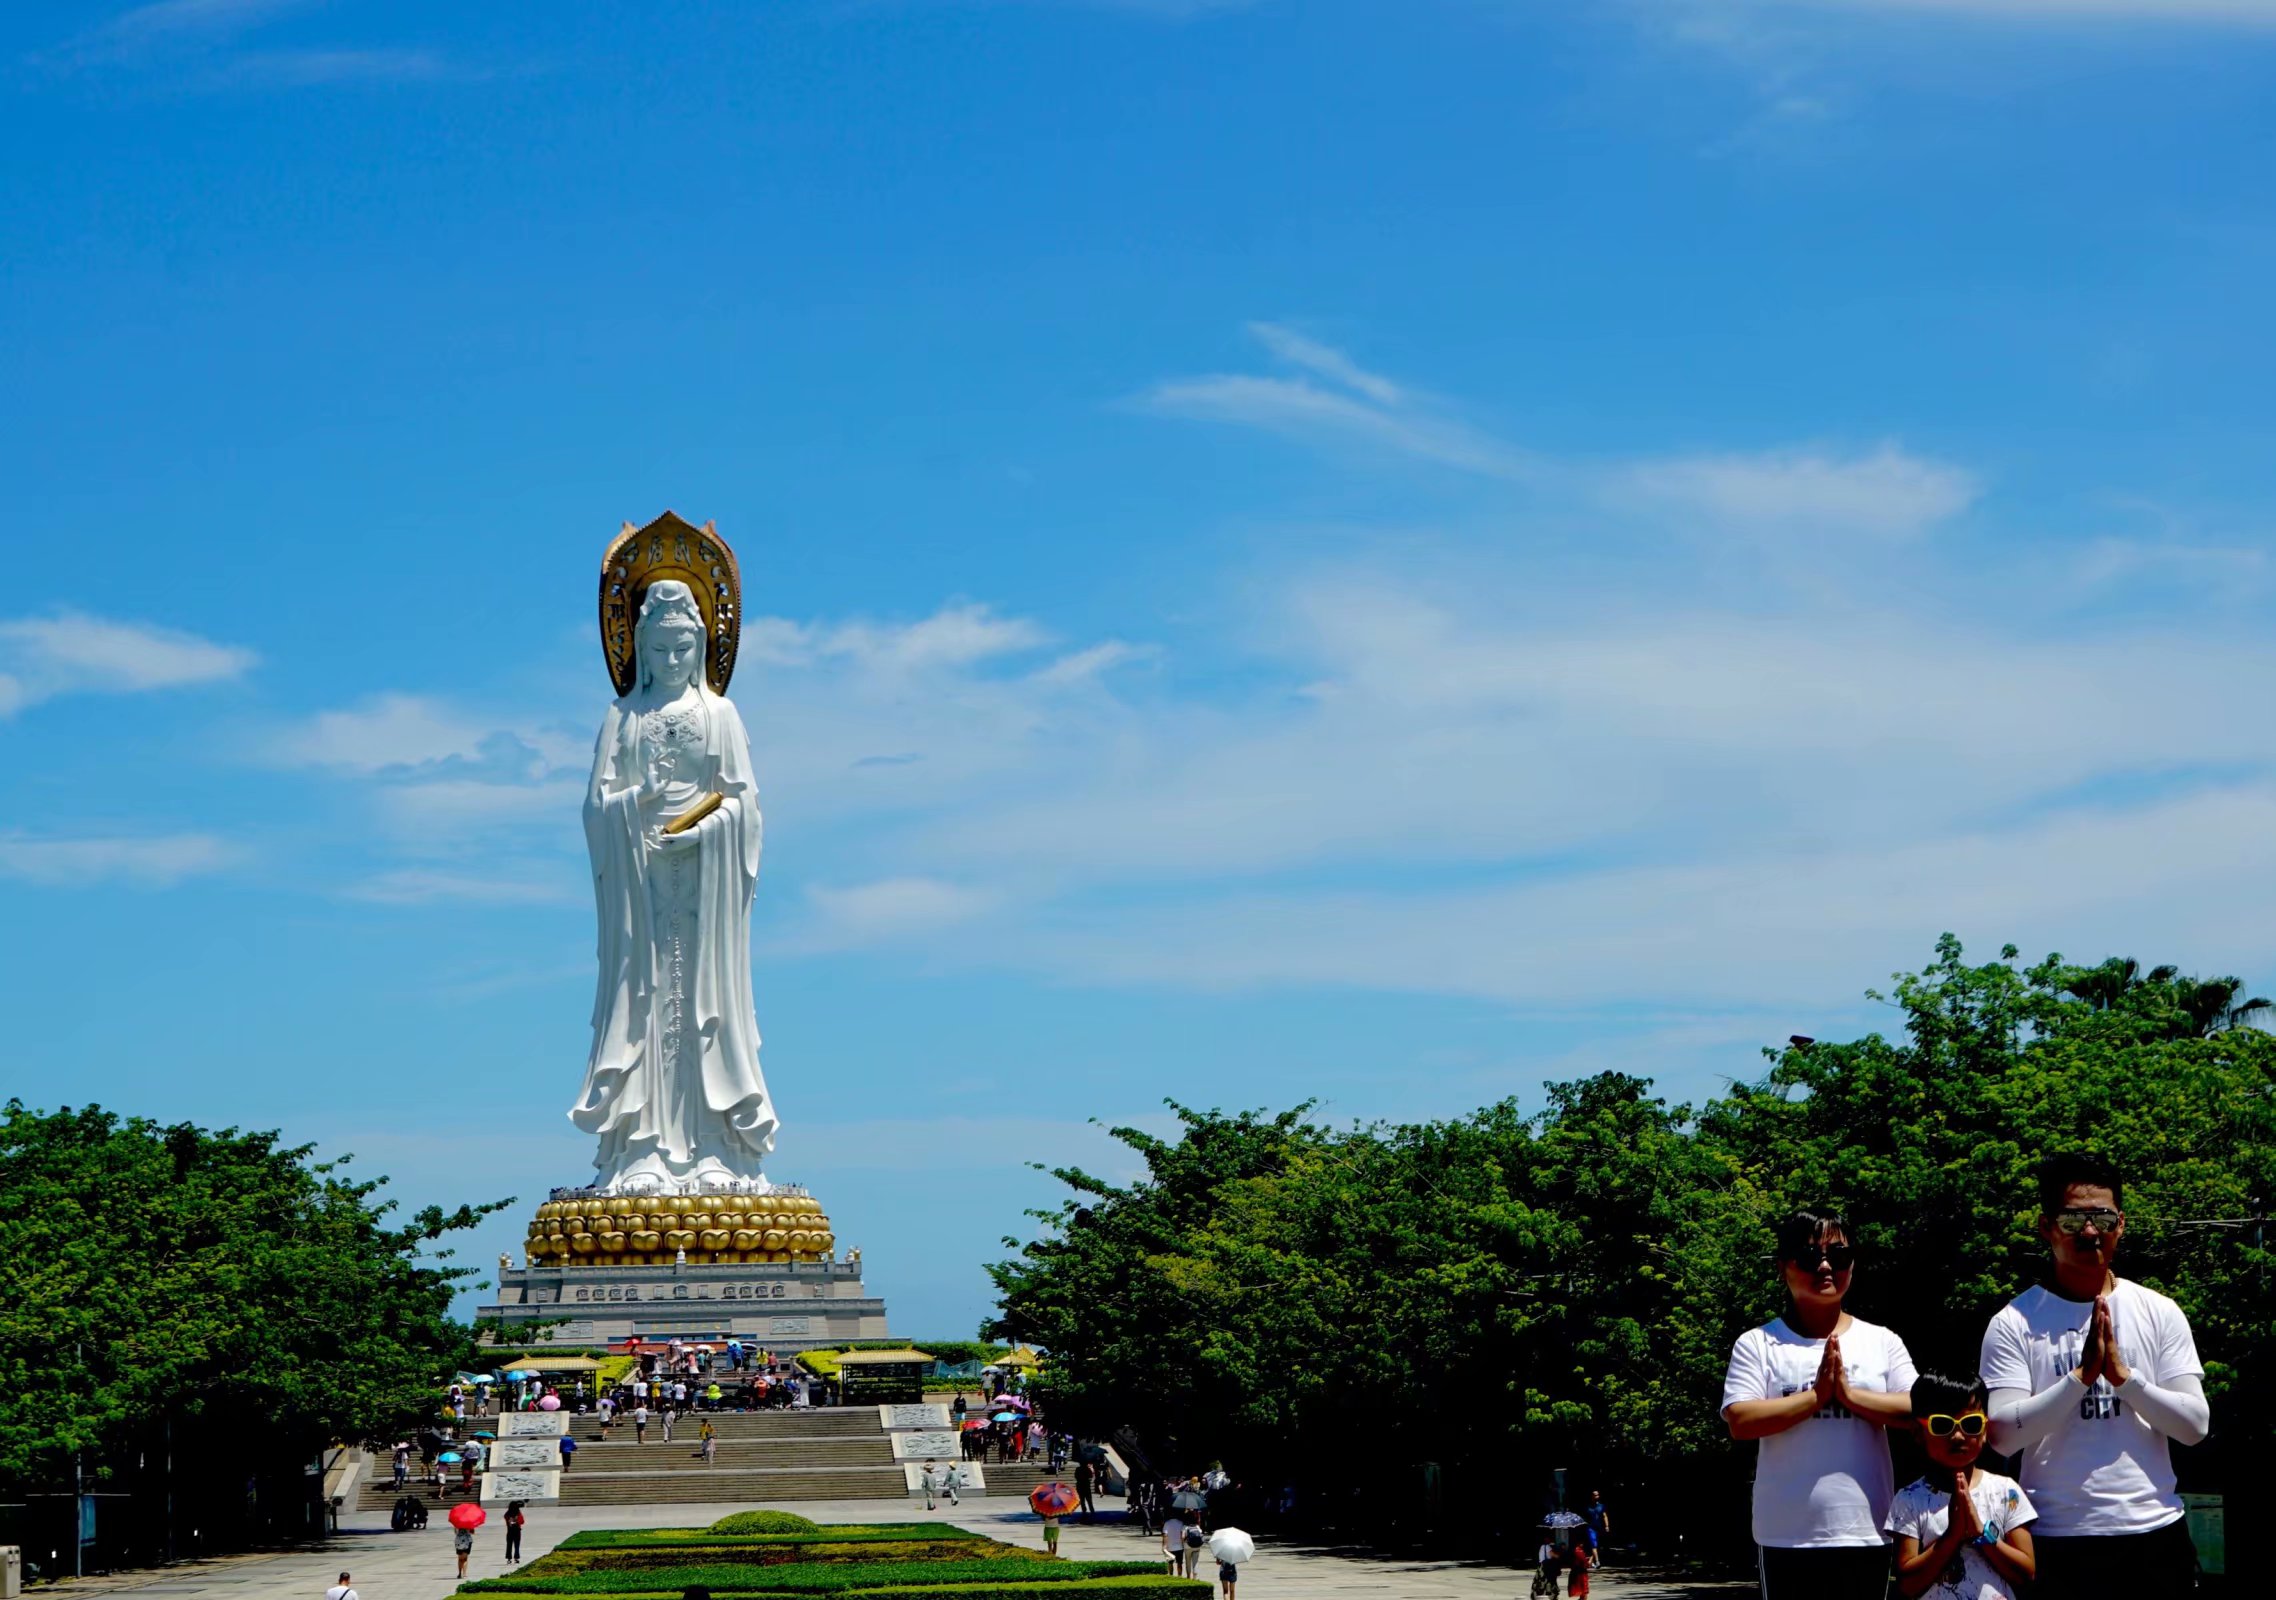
{"points": [[2091, 1376]]}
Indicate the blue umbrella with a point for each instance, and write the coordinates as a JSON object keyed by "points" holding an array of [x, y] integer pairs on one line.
{"points": [[449, 1458], [1007, 1416]]}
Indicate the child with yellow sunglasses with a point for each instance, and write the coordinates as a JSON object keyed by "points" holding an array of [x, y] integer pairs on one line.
{"points": [[1960, 1530]]}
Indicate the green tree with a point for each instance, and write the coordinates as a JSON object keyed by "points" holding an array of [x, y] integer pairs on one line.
{"points": [[216, 1287]]}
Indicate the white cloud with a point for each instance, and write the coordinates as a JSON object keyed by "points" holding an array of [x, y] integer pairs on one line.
{"points": [[71, 652], [1302, 410], [409, 887], [389, 730], [2187, 877], [954, 636], [2248, 13], [1362, 408], [889, 909], [154, 861], [1328, 362], [1888, 491]]}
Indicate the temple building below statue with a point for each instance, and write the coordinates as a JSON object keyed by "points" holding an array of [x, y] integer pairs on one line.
{"points": [[788, 1305]]}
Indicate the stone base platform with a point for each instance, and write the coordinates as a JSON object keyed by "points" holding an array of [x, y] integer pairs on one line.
{"points": [[784, 1305]]}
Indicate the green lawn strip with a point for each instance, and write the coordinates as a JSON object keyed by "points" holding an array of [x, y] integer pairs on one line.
{"points": [[1146, 1586], [704, 1538], [833, 1577], [1137, 1586]]}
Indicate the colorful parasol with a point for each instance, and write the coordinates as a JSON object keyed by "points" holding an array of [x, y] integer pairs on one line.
{"points": [[466, 1514], [1053, 1499]]}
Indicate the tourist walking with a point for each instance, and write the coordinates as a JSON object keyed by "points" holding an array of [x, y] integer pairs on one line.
{"points": [[2092, 1378], [462, 1541], [1173, 1543], [568, 1452], [1599, 1519], [342, 1590], [929, 1481], [953, 1480], [640, 1424], [1817, 1388], [514, 1520], [402, 1461], [709, 1448], [669, 1415], [1086, 1481]]}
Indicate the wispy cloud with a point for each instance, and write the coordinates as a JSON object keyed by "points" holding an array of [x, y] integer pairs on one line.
{"points": [[296, 69], [1337, 403], [153, 861], [1887, 491], [389, 730], [71, 652], [205, 43], [415, 887], [867, 913], [2236, 13]]}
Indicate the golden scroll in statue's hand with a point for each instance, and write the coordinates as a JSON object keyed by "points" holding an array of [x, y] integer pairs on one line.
{"points": [[695, 813]]}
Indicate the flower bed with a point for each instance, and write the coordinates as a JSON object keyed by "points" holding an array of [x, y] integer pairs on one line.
{"points": [[891, 1561]]}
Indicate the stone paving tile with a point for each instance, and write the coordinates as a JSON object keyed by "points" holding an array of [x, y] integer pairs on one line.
{"points": [[421, 1566]]}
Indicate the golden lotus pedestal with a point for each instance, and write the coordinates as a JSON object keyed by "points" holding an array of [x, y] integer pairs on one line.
{"points": [[603, 1268], [695, 1229]]}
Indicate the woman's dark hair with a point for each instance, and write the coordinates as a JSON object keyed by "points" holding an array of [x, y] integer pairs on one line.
{"points": [[1804, 1229], [2060, 1172], [1935, 1393]]}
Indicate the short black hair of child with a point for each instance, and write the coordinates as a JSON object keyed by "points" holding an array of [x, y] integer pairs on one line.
{"points": [[2060, 1172], [1938, 1394], [1805, 1228]]}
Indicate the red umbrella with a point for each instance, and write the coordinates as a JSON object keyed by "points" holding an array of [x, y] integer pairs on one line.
{"points": [[1053, 1499], [466, 1514]]}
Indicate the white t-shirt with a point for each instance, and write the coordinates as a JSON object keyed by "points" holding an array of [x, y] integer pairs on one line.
{"points": [[340, 1591], [1925, 1512], [2101, 1469], [1825, 1482], [1173, 1534]]}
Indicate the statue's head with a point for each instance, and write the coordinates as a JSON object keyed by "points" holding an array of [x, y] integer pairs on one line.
{"points": [[670, 636]]}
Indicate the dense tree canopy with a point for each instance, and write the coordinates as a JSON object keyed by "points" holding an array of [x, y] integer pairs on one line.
{"points": [[1503, 1293], [161, 1278]]}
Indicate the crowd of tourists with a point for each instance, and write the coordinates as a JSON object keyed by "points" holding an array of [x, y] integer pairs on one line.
{"points": [[2088, 1376]]}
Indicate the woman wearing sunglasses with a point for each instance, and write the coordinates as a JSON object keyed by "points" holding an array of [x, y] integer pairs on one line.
{"points": [[1816, 1388]]}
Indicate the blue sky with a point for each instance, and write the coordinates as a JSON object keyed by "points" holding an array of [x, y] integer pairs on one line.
{"points": [[1377, 552]]}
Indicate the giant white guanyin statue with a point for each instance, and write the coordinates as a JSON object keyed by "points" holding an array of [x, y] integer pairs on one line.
{"points": [[672, 1087]]}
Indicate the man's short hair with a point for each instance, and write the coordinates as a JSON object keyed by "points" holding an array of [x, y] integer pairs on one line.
{"points": [[1805, 1228], [2073, 1168], [1936, 1393], [343, 1577]]}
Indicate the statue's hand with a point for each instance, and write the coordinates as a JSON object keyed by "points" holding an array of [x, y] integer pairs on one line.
{"points": [[677, 841]]}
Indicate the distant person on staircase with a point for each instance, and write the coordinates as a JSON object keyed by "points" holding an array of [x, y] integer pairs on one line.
{"points": [[710, 1451], [568, 1452], [712, 1396], [402, 1455], [640, 1423]]}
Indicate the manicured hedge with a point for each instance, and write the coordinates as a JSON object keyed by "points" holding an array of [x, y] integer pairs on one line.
{"points": [[765, 1522], [1019, 1569]]}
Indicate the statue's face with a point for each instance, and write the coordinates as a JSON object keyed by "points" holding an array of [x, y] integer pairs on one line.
{"points": [[674, 651]]}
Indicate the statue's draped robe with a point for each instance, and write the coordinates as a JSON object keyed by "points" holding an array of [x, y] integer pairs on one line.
{"points": [[711, 1101]]}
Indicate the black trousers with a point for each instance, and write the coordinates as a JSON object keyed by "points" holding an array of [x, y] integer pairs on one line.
{"points": [[513, 1542], [1849, 1572], [2140, 1566]]}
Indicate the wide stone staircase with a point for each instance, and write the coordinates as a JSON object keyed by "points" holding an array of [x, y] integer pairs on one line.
{"points": [[763, 1456]]}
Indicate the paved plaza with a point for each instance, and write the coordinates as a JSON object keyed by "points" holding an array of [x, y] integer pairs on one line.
{"points": [[420, 1566]]}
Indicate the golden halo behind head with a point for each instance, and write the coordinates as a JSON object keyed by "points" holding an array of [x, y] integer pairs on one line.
{"points": [[670, 548]]}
